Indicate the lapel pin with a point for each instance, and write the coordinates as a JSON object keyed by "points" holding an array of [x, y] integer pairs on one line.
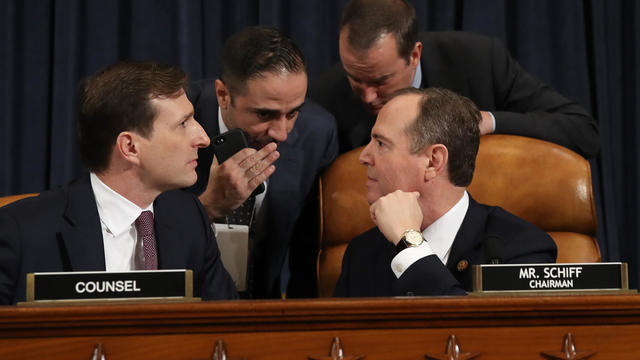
{"points": [[462, 265]]}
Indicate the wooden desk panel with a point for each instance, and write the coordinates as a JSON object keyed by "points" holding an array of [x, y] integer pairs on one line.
{"points": [[498, 328]]}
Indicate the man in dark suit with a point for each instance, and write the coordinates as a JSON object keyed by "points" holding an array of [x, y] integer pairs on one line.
{"points": [[429, 231], [139, 140], [262, 89], [381, 51]]}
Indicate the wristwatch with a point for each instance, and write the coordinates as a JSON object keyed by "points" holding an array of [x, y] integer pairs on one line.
{"points": [[410, 238]]}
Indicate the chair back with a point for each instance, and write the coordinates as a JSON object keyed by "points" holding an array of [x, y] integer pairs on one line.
{"points": [[6, 200], [541, 182]]}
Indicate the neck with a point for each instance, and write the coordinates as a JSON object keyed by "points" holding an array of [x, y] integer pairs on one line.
{"points": [[434, 204], [130, 186]]}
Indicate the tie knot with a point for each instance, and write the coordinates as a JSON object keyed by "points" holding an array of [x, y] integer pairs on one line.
{"points": [[144, 223]]}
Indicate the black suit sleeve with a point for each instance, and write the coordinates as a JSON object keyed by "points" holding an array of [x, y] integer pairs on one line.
{"points": [[9, 258], [529, 107], [427, 276]]}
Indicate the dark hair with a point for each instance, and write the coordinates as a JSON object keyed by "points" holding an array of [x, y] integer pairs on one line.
{"points": [[117, 99], [368, 20], [257, 50], [449, 119]]}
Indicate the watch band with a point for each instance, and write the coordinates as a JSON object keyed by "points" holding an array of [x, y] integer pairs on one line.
{"points": [[401, 245]]}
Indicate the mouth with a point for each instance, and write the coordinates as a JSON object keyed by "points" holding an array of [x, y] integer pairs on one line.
{"points": [[259, 144], [371, 180]]}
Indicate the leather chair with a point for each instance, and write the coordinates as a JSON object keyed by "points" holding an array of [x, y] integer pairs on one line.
{"points": [[544, 183], [6, 200]]}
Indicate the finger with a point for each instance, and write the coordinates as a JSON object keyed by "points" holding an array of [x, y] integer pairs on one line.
{"points": [[241, 156], [262, 165], [373, 208], [260, 178], [259, 155]]}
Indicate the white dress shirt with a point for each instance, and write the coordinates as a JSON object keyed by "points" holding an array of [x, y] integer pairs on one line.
{"points": [[439, 238], [119, 234]]}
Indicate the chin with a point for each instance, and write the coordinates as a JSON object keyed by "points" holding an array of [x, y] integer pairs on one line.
{"points": [[371, 198]]}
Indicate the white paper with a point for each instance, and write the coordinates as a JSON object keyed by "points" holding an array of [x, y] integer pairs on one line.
{"points": [[233, 242]]}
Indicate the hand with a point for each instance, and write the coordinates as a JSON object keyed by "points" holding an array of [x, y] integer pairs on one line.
{"points": [[486, 124], [231, 183], [396, 213]]}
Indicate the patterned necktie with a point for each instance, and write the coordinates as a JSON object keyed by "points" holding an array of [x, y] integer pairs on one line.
{"points": [[144, 226], [242, 215]]}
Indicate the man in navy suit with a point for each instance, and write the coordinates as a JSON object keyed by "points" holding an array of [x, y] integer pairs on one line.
{"points": [[139, 140], [429, 231], [381, 52], [262, 90]]}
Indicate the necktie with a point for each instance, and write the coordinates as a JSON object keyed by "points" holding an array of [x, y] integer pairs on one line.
{"points": [[144, 226], [242, 215]]}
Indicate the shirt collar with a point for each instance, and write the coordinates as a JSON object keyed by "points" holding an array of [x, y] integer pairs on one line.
{"points": [[116, 212], [221, 125], [417, 78], [442, 232]]}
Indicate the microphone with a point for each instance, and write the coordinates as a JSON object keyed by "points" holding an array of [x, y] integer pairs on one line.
{"points": [[493, 249]]}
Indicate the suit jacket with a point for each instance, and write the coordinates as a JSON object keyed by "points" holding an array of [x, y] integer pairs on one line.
{"points": [[366, 266], [481, 69], [60, 230], [290, 204]]}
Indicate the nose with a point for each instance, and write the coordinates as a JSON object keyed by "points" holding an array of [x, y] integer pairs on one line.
{"points": [[365, 155], [369, 94], [278, 129], [201, 139]]}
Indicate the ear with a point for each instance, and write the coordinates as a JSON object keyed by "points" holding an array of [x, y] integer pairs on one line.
{"points": [[222, 93], [414, 57], [437, 157], [128, 147]]}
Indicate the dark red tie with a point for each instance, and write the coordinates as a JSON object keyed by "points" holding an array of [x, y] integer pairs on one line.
{"points": [[144, 226]]}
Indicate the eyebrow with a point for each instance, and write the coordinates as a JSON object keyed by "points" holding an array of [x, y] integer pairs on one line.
{"points": [[383, 138], [375, 81], [187, 116], [276, 112]]}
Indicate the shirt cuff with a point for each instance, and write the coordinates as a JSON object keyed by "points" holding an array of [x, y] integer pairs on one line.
{"points": [[408, 256], [493, 130]]}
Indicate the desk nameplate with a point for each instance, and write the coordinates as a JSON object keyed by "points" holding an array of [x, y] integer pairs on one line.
{"points": [[101, 285], [550, 278]]}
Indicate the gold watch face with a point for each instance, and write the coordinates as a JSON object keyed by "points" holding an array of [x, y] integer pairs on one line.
{"points": [[413, 238]]}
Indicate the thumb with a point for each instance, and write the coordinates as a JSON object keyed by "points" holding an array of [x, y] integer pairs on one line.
{"points": [[214, 162]]}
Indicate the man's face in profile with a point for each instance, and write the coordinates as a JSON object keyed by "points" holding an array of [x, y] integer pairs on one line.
{"points": [[390, 164], [268, 107], [377, 72], [169, 154]]}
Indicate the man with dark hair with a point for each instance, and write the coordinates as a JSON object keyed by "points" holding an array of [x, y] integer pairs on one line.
{"points": [[261, 90], [381, 51], [429, 231], [138, 138]]}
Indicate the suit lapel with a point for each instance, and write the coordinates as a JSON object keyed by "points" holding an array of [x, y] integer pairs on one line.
{"points": [[468, 239], [273, 228], [172, 253], [81, 231]]}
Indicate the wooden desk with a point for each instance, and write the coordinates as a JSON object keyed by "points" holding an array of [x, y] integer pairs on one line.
{"points": [[497, 328]]}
